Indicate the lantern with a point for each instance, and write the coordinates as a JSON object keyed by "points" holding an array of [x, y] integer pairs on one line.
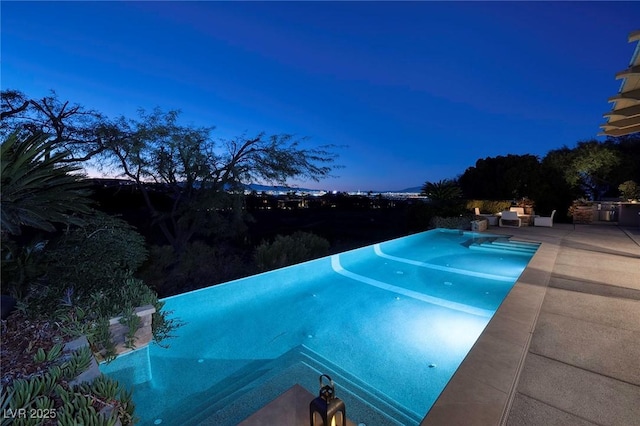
{"points": [[326, 409]]}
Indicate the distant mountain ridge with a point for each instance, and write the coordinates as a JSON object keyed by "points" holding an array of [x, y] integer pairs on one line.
{"points": [[275, 188]]}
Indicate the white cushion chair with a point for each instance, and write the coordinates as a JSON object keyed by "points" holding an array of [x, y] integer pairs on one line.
{"points": [[543, 220], [491, 218], [510, 219]]}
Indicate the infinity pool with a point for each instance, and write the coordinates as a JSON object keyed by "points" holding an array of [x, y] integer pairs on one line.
{"points": [[390, 323]]}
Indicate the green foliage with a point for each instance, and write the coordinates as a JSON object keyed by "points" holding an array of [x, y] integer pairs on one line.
{"points": [[37, 191], [591, 167], [489, 206], [42, 356], [110, 302], [629, 190], [132, 322], [21, 265], [290, 249], [57, 400], [163, 326], [455, 222], [443, 190], [198, 265], [97, 256], [89, 280], [445, 197], [79, 361]]}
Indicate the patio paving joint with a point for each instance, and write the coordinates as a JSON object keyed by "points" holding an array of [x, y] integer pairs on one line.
{"points": [[556, 408], [599, 373]]}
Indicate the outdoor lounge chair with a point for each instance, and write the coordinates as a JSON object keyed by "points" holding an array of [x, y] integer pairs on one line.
{"points": [[543, 220], [519, 210], [491, 218], [510, 219]]}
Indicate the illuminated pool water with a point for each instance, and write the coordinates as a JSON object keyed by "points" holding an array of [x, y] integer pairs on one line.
{"points": [[390, 323]]}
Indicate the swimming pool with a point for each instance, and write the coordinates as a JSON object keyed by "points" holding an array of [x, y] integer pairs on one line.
{"points": [[390, 323]]}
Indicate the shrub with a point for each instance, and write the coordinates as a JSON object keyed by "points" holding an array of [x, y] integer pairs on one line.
{"points": [[489, 206], [289, 250], [93, 258], [199, 265], [89, 279], [52, 397], [629, 190], [459, 222]]}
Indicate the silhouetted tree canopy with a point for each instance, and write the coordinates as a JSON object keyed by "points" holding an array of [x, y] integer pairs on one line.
{"points": [[501, 178], [200, 179], [443, 190], [591, 170], [204, 178], [71, 129]]}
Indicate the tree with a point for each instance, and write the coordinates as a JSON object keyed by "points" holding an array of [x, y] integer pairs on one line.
{"points": [[443, 190], [204, 179], [591, 168], [628, 149], [501, 178], [445, 197], [553, 191], [70, 128], [629, 190]]}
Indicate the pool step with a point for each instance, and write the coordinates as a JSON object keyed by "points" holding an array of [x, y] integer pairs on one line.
{"points": [[513, 243], [503, 245], [223, 393], [372, 397], [259, 382]]}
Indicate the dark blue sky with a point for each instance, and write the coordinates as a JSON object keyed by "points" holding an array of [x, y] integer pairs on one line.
{"points": [[416, 91]]}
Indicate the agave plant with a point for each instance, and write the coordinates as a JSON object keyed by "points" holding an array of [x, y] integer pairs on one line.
{"points": [[37, 190]]}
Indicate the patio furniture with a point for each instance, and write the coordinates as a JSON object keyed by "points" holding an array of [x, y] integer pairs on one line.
{"points": [[492, 219], [543, 220], [519, 210], [510, 219]]}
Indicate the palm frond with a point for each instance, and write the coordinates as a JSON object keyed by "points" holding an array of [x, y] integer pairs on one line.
{"points": [[36, 190]]}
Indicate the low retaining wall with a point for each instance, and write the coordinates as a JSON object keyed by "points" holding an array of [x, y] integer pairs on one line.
{"points": [[142, 336]]}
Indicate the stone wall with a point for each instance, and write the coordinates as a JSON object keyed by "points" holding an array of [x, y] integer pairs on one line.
{"points": [[143, 335]]}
